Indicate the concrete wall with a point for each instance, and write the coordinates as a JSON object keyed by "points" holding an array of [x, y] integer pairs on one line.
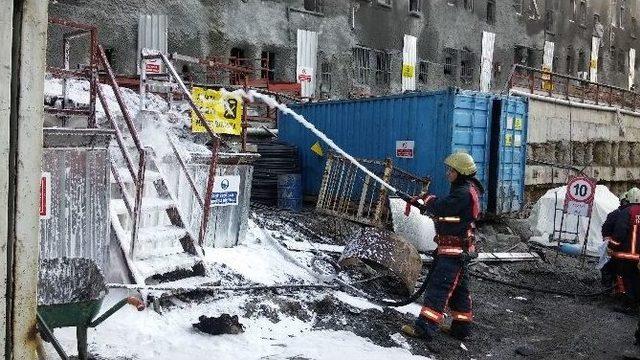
{"points": [[607, 143], [204, 28]]}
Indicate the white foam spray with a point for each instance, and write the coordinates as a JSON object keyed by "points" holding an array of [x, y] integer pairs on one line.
{"points": [[251, 95]]}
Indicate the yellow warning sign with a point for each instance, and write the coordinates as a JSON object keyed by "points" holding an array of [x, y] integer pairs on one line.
{"points": [[222, 111], [547, 84], [593, 64], [508, 140], [408, 71], [317, 149], [517, 123]]}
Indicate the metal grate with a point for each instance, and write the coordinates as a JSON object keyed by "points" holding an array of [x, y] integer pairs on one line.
{"points": [[383, 68], [424, 72], [467, 67], [362, 64], [349, 193]]}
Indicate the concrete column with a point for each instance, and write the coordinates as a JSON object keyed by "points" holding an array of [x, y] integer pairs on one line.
{"points": [[19, 220]]}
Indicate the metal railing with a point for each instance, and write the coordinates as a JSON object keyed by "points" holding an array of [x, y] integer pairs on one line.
{"points": [[89, 72], [215, 138], [349, 193], [137, 179], [538, 81]]}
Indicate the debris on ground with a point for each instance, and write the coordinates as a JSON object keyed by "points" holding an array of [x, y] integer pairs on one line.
{"points": [[223, 324]]}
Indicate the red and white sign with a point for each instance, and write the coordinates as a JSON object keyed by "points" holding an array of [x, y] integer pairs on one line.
{"points": [[581, 191], [305, 74], [152, 66], [404, 149], [45, 196]]}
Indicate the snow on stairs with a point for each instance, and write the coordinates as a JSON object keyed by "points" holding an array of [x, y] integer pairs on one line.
{"points": [[164, 250]]}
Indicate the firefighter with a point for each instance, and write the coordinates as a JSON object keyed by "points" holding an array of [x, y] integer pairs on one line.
{"points": [[448, 284], [610, 277], [623, 244]]}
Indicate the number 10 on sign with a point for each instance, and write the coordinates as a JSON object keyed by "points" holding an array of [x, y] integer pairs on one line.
{"points": [[580, 193]]}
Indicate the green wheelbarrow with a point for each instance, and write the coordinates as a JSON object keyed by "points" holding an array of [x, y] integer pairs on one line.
{"points": [[71, 292]]}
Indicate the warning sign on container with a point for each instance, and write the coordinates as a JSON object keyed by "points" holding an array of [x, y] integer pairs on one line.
{"points": [[45, 196], [226, 190], [405, 149]]}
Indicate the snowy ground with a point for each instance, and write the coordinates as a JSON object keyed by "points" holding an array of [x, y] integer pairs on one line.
{"points": [[271, 332]]}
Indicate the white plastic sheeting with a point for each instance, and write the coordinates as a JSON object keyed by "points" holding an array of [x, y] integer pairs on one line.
{"points": [[417, 229], [152, 35], [307, 61], [486, 69], [547, 61], [542, 218], [632, 67], [409, 59]]}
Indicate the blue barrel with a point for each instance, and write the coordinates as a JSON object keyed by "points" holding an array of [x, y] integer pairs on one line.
{"points": [[571, 249], [290, 192]]}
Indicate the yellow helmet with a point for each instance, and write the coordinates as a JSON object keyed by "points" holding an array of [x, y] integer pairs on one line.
{"points": [[462, 163], [633, 195]]}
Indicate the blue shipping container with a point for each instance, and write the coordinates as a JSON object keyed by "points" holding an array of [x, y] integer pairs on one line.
{"points": [[437, 122]]}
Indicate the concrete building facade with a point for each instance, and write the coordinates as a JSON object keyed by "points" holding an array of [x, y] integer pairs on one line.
{"points": [[360, 42]]}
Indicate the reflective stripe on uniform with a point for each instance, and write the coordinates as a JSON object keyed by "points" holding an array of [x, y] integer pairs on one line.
{"points": [[625, 256], [431, 314], [613, 242], [449, 250], [462, 316], [449, 219]]}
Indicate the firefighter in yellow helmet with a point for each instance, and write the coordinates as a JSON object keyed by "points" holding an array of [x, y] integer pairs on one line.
{"points": [[448, 284]]}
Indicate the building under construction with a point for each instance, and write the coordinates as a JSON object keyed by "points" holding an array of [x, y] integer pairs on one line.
{"points": [[355, 48]]}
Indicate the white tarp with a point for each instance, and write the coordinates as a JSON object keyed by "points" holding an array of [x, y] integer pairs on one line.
{"points": [[543, 214], [417, 229], [547, 61], [632, 67], [409, 59], [593, 64], [307, 61], [486, 67]]}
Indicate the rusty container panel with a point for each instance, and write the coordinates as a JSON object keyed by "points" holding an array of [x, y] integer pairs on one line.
{"points": [[78, 226]]}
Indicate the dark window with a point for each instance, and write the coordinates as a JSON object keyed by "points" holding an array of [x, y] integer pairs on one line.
{"points": [[383, 68], [491, 12], [622, 61], [415, 6], [362, 64], [568, 64], [110, 53], [450, 60], [582, 61], [238, 58], [549, 21], [621, 13], [314, 5], [467, 66], [325, 78], [614, 59], [554, 64], [524, 56], [583, 12], [634, 27], [268, 65], [423, 71], [468, 4]]}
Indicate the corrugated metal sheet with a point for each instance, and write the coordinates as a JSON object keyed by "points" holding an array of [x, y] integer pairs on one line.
{"points": [[439, 123], [486, 66], [80, 190], [307, 59], [228, 224], [152, 33], [511, 155], [409, 59]]}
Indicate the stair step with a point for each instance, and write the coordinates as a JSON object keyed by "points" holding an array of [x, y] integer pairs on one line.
{"points": [[161, 265], [125, 176], [148, 204], [158, 241]]}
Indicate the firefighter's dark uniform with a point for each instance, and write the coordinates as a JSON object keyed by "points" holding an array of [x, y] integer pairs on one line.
{"points": [[624, 247], [454, 217], [609, 271]]}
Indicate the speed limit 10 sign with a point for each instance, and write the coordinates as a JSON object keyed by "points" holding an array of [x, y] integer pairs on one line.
{"points": [[580, 193]]}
